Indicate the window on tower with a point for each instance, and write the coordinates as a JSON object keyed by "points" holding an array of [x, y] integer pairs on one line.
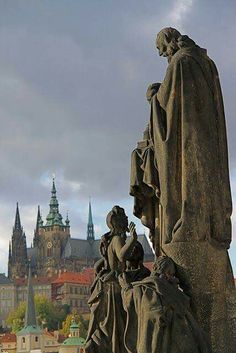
{"points": [[49, 252]]}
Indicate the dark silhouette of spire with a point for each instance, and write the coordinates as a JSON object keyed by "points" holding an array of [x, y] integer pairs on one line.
{"points": [[38, 220], [30, 316], [39, 223], [9, 253], [90, 226], [17, 225], [17, 261]]}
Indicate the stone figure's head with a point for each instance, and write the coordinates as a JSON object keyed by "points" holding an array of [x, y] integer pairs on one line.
{"points": [[117, 221], [136, 254], [169, 41], [164, 266]]}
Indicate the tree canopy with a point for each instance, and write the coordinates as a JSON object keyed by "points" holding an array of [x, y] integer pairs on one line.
{"points": [[83, 324], [48, 314]]}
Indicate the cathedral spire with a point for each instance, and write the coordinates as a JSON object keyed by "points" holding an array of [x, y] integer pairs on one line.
{"points": [[9, 253], [67, 221], [54, 217], [17, 225], [30, 316], [17, 261], [90, 226], [38, 225], [38, 220]]}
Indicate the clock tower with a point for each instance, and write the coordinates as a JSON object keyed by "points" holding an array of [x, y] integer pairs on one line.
{"points": [[50, 239]]}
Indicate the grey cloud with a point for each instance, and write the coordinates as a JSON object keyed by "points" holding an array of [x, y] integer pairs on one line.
{"points": [[72, 91]]}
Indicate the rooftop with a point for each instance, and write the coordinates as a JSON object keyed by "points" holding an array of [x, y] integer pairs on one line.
{"points": [[74, 277], [7, 338], [30, 329], [4, 279], [34, 280], [74, 341]]}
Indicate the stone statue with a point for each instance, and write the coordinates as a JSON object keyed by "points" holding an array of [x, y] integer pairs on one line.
{"points": [[158, 314], [107, 320], [135, 270], [188, 138], [180, 182]]}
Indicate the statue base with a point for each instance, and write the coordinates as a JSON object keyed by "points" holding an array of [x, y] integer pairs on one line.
{"points": [[205, 274]]}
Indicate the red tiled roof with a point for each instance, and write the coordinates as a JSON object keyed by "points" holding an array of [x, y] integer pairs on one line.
{"points": [[8, 337], [35, 280], [90, 273], [73, 277]]}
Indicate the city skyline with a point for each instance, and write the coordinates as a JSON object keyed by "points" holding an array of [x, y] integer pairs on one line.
{"points": [[72, 100]]}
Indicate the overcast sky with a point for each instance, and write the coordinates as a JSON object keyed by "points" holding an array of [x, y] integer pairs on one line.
{"points": [[73, 78]]}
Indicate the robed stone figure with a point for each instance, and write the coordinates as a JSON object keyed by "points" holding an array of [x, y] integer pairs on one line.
{"points": [[187, 135], [180, 183]]}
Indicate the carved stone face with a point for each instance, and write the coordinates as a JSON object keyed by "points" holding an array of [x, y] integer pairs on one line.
{"points": [[117, 220], [136, 253], [162, 46], [166, 48]]}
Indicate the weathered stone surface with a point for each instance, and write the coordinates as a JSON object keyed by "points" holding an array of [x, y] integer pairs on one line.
{"points": [[158, 315], [203, 271], [180, 182], [107, 321]]}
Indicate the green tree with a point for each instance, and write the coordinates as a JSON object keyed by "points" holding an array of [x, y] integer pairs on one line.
{"points": [[48, 314], [15, 318], [83, 324]]}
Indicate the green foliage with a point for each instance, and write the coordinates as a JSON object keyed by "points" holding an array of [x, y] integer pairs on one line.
{"points": [[48, 314], [15, 318], [83, 324]]}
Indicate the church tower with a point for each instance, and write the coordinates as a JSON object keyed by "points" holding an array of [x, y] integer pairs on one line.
{"points": [[50, 239], [17, 260], [30, 337], [90, 226]]}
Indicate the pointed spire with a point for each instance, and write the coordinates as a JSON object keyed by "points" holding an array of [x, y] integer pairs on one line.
{"points": [[54, 217], [90, 227], [54, 191], [53, 202], [39, 224], [9, 254], [38, 220], [17, 225], [90, 217], [30, 316], [67, 221]]}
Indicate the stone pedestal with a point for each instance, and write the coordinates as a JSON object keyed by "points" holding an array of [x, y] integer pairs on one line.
{"points": [[206, 276]]}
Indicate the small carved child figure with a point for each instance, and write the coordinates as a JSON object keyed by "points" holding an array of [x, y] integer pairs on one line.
{"points": [[135, 270], [158, 314]]}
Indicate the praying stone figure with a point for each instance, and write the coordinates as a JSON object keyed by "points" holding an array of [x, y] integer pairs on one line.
{"points": [[107, 320], [158, 314], [180, 183]]}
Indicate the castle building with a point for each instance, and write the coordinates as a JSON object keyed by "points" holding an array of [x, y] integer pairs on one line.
{"points": [[54, 251]]}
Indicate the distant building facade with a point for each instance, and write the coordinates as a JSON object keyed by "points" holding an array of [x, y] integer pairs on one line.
{"points": [[73, 289], [70, 288], [8, 300], [54, 251], [8, 343]]}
